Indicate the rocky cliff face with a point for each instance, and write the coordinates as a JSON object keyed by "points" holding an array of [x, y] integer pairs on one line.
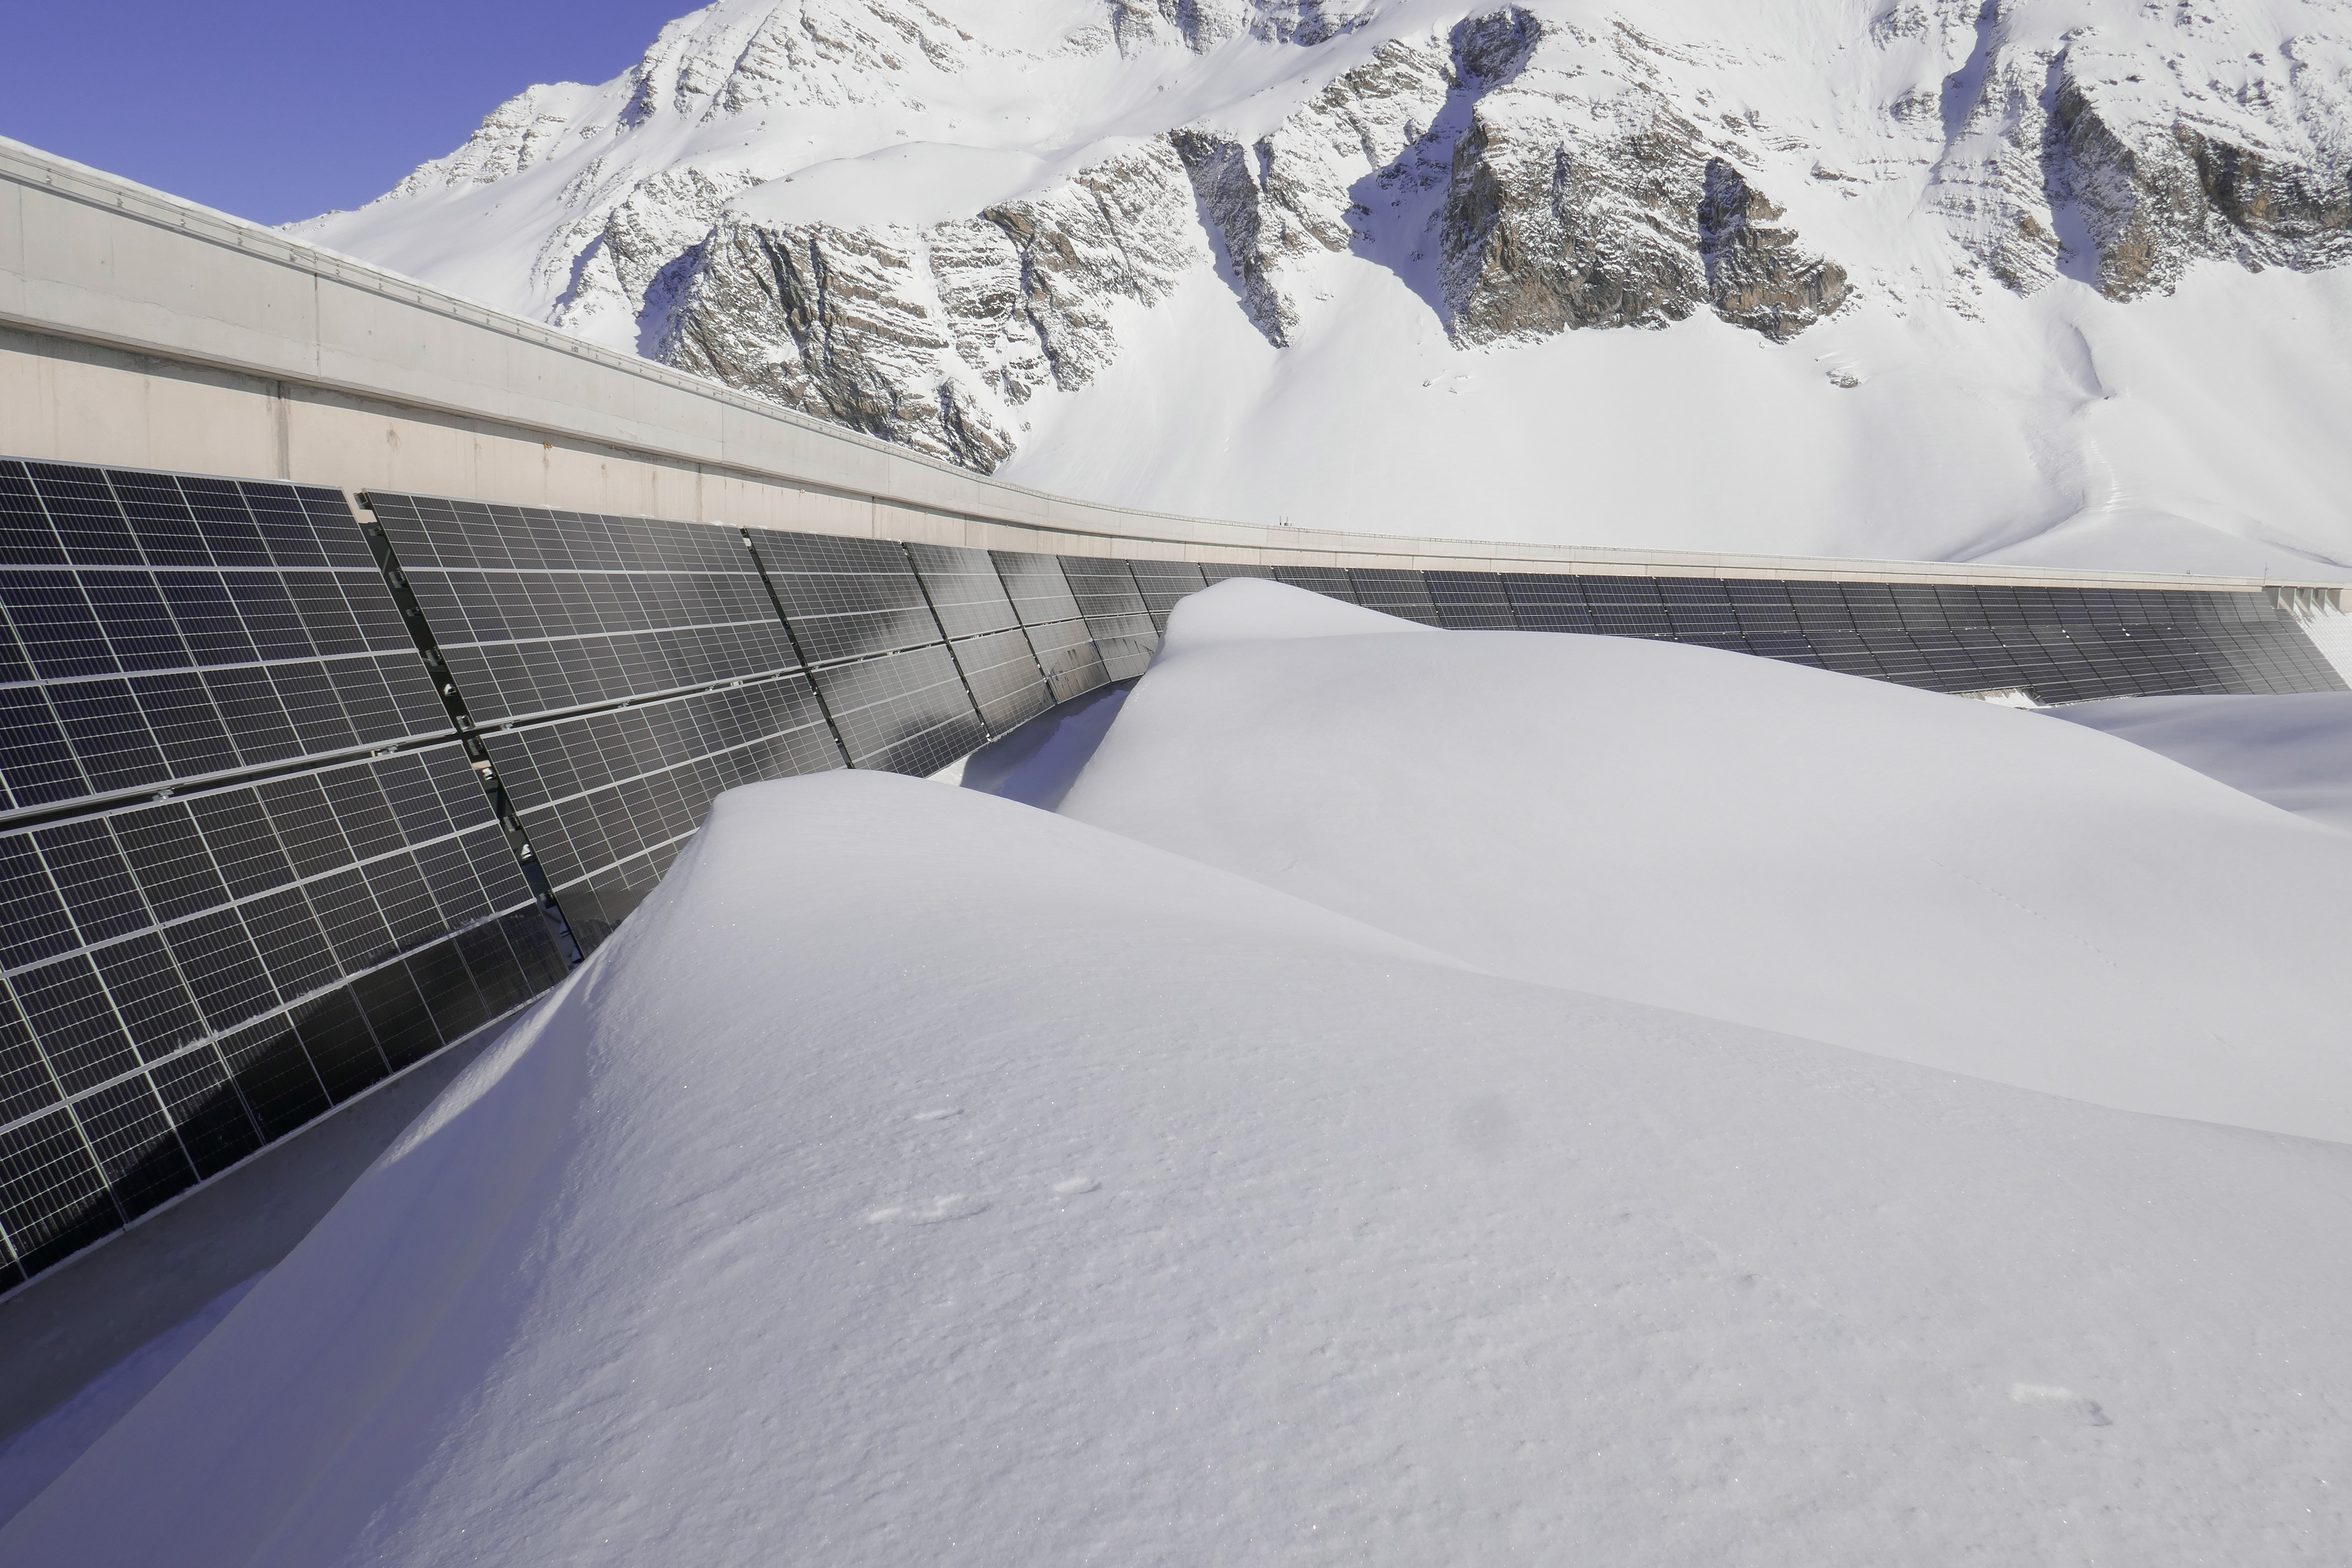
{"points": [[1528, 170]]}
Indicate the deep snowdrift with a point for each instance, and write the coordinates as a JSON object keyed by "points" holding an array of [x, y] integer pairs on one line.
{"points": [[1946, 881], [2293, 752], [920, 1177]]}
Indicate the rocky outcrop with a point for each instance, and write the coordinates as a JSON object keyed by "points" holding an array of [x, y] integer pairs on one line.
{"points": [[1525, 173], [1204, 25], [1233, 205], [2065, 162], [1757, 277], [1599, 204], [934, 336]]}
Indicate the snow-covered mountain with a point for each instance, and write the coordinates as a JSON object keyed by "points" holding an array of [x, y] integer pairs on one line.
{"points": [[2054, 280]]}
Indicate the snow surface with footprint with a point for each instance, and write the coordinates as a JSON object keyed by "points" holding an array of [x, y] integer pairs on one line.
{"points": [[921, 1176]]}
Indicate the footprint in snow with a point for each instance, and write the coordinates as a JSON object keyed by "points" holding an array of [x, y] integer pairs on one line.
{"points": [[954, 1206], [1075, 1187], [2062, 1398]]}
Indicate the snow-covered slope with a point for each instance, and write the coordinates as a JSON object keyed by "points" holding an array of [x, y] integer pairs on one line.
{"points": [[1002, 1191], [1955, 883], [2293, 752], [2044, 280]]}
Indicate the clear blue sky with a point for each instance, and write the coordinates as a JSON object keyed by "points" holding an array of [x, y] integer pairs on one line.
{"points": [[275, 110]]}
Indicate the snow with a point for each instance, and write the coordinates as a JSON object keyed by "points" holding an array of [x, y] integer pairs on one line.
{"points": [[2293, 752], [1036, 763], [923, 1177], [42, 1452], [1955, 883], [1941, 416], [926, 182]]}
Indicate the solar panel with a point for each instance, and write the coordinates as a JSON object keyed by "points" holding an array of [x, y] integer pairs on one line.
{"points": [[541, 612], [185, 979], [1471, 601], [1404, 594], [1163, 583], [122, 672], [1113, 609], [966, 594], [602, 797], [1002, 672], [909, 713], [1626, 607], [1049, 615], [1331, 582], [846, 598], [1543, 603]]}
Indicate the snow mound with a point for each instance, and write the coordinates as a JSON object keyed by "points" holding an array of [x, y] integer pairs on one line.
{"points": [[1946, 881], [921, 1177], [1253, 609], [2293, 752]]}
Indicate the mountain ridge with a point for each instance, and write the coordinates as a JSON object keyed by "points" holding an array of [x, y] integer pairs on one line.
{"points": [[1184, 254]]}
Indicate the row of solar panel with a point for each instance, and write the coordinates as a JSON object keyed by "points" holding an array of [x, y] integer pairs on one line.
{"points": [[615, 700], [272, 939], [188, 978], [246, 867], [2063, 645]]}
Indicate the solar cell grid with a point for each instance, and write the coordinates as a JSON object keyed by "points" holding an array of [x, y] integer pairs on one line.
{"points": [[847, 598], [966, 594], [1404, 594], [540, 611], [1544, 603], [906, 714], [1698, 608], [1005, 679], [1113, 609], [1329, 581], [1626, 607], [596, 790], [1471, 601], [1058, 638], [1163, 583], [194, 914], [150, 672]]}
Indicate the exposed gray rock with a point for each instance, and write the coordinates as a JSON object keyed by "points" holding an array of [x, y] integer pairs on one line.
{"points": [[1756, 275], [2063, 161], [1225, 179], [930, 336], [1568, 207], [1524, 174], [844, 324], [1202, 25]]}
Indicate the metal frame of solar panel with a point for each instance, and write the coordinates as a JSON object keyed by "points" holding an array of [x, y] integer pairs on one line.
{"points": [[876, 648], [1471, 601], [614, 674], [1124, 634], [1331, 582], [983, 633], [1404, 594], [1049, 612], [1163, 583], [246, 870]]}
